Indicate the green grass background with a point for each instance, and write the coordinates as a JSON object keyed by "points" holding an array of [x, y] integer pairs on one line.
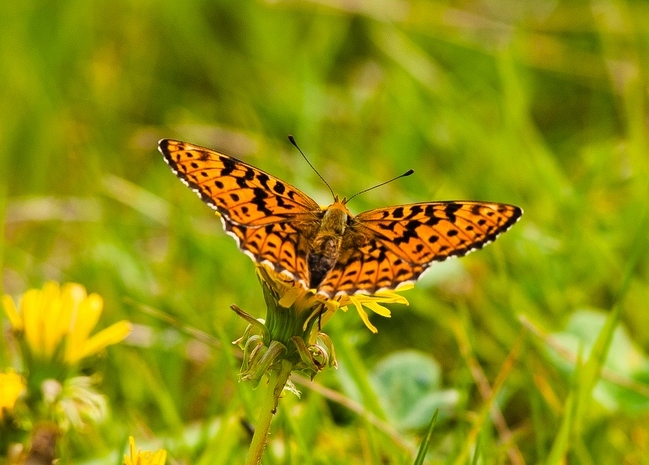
{"points": [[540, 103]]}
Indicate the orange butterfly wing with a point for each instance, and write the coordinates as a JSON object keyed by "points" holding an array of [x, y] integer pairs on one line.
{"points": [[271, 220], [275, 224], [386, 247]]}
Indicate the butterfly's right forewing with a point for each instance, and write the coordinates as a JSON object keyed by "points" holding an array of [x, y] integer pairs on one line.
{"points": [[434, 231], [390, 246]]}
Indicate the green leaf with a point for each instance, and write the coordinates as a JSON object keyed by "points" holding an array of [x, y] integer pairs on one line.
{"points": [[623, 386], [408, 384]]}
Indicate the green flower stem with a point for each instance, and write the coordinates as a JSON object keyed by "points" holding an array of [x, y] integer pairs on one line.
{"points": [[276, 382]]}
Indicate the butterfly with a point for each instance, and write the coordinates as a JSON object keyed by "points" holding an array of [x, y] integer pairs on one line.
{"points": [[328, 249]]}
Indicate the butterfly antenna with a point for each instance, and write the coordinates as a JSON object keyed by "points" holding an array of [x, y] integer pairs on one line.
{"points": [[292, 140], [407, 173]]}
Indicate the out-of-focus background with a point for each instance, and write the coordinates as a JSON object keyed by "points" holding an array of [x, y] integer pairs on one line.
{"points": [[542, 104]]}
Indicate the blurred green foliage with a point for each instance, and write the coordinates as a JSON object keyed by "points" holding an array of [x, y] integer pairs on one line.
{"points": [[542, 104]]}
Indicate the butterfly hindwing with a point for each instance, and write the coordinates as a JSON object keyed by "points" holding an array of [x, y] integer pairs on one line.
{"points": [[280, 246], [368, 269]]}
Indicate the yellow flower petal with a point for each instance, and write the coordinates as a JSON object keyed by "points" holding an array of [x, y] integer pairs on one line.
{"points": [[373, 302], [112, 335], [53, 316], [12, 386], [378, 309], [144, 458], [131, 459], [56, 317], [31, 310], [12, 312], [85, 319], [363, 314], [290, 297]]}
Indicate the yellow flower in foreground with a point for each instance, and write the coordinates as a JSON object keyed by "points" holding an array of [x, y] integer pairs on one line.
{"points": [[59, 318], [144, 458], [12, 386], [293, 294], [373, 302]]}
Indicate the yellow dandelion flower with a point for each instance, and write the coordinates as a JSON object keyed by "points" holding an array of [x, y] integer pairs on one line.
{"points": [[12, 385], [144, 458], [373, 302], [62, 317], [292, 294]]}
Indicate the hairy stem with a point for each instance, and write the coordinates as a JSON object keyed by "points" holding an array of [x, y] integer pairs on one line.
{"points": [[276, 382]]}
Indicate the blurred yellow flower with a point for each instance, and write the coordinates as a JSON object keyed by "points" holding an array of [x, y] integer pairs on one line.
{"points": [[58, 320], [144, 458], [12, 386]]}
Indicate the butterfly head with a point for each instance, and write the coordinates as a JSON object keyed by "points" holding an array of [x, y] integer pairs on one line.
{"points": [[337, 212]]}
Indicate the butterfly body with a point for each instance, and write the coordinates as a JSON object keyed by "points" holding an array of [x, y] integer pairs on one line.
{"points": [[329, 249], [324, 249]]}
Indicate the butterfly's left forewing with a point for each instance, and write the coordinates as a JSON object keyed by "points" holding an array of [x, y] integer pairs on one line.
{"points": [[240, 192], [270, 219]]}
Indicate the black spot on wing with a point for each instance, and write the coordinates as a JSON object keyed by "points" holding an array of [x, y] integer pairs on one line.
{"points": [[414, 211], [279, 187], [258, 200], [450, 210], [386, 226], [228, 166], [409, 233], [242, 183], [263, 179]]}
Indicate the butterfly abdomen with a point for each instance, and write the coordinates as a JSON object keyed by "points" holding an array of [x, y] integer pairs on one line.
{"points": [[323, 255], [325, 247]]}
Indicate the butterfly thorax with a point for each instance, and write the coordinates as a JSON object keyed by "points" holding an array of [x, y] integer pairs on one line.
{"points": [[325, 247]]}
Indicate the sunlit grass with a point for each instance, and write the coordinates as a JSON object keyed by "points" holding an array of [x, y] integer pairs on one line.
{"points": [[541, 105]]}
